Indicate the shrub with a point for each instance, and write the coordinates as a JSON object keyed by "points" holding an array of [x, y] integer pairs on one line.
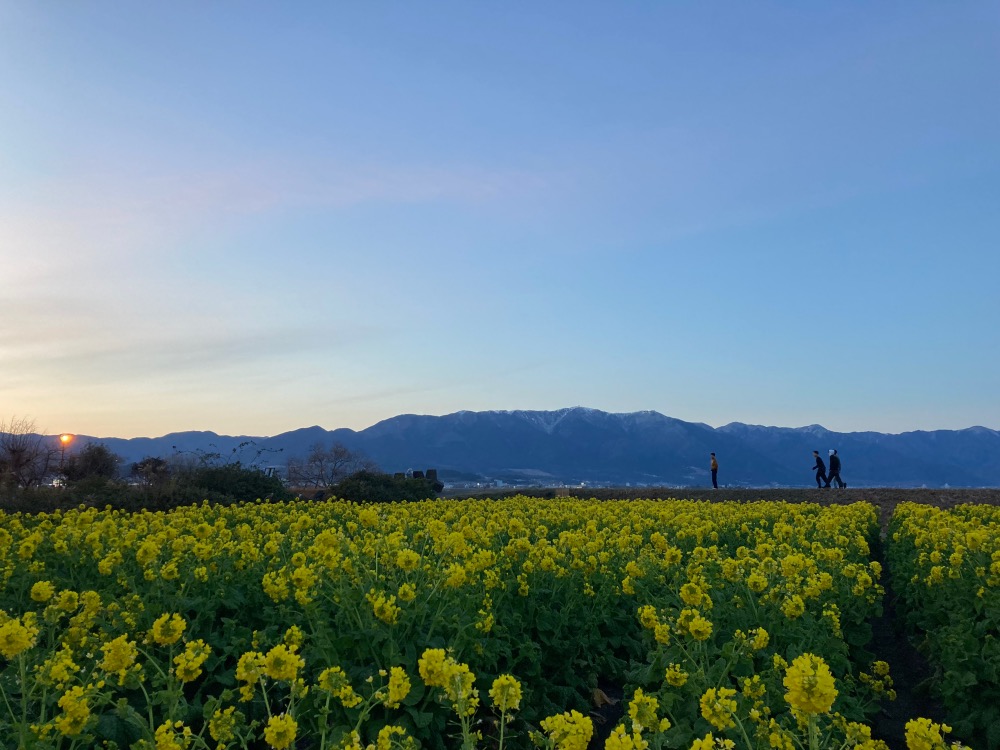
{"points": [[376, 487], [238, 482]]}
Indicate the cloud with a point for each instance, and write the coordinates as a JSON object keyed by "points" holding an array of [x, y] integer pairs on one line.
{"points": [[40, 354], [98, 212]]}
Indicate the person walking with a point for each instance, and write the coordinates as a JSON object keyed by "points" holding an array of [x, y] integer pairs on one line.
{"points": [[715, 473], [820, 468], [834, 473]]}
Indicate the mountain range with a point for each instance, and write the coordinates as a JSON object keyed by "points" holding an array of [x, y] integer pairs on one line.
{"points": [[580, 445]]}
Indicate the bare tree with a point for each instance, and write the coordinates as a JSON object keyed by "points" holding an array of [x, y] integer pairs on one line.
{"points": [[26, 458], [324, 466]]}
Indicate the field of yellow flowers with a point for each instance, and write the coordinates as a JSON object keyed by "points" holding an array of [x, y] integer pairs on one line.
{"points": [[443, 624], [946, 567]]}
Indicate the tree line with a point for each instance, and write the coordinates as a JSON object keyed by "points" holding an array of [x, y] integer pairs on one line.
{"points": [[38, 472]]}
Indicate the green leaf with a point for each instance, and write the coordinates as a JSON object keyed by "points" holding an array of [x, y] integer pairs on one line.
{"points": [[421, 719]]}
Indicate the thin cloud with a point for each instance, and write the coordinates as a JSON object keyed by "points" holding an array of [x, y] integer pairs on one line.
{"points": [[157, 356], [104, 212]]}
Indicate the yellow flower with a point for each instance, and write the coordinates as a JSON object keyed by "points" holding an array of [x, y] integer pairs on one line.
{"points": [[76, 712], [168, 629], [385, 608], [222, 725], [303, 579], [676, 676], [16, 636], [753, 688], [407, 592], [810, 685], [642, 710], [58, 669], [148, 551], [386, 736], [459, 687], [399, 687], [718, 707], [705, 743], [42, 591], [172, 736], [169, 571], [68, 601], [760, 639], [188, 662], [647, 616], [924, 734], [456, 576], [294, 637], [506, 693], [250, 667], [334, 680], [569, 731], [275, 585], [661, 633], [280, 731], [700, 628], [619, 739], [793, 607], [282, 663], [439, 670], [691, 594], [407, 560], [778, 738], [857, 734], [433, 667], [119, 655], [351, 741]]}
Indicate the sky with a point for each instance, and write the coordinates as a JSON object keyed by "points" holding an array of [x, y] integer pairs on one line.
{"points": [[251, 217]]}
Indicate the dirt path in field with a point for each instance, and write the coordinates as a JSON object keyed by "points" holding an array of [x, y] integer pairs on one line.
{"points": [[910, 672]]}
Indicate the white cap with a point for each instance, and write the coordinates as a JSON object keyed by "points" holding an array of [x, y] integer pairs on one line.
{"points": [[831, 451]]}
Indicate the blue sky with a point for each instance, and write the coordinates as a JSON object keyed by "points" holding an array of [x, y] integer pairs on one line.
{"points": [[253, 217]]}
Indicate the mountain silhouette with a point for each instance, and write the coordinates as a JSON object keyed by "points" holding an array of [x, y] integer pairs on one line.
{"points": [[587, 445]]}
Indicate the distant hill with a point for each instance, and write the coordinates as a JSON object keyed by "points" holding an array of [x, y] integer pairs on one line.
{"points": [[586, 445]]}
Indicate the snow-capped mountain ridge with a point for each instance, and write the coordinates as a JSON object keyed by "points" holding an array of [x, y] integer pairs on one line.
{"points": [[582, 444]]}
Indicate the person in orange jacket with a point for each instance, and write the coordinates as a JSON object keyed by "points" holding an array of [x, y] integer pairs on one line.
{"points": [[715, 473]]}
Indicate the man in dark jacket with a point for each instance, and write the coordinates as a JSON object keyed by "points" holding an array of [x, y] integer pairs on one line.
{"points": [[834, 475], [820, 468]]}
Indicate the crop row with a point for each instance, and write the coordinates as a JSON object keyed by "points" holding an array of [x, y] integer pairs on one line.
{"points": [[441, 624], [946, 569]]}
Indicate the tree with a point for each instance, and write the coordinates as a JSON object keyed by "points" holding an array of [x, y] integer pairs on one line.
{"points": [[152, 471], [247, 454], [26, 458], [95, 461], [239, 483], [374, 487], [324, 466]]}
